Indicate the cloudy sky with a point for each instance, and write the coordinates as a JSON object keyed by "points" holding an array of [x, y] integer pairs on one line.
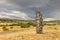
{"points": [[25, 9]]}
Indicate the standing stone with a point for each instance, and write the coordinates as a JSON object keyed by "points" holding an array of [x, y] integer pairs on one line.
{"points": [[39, 24]]}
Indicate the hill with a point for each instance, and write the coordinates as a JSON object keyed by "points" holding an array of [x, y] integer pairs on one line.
{"points": [[15, 20]]}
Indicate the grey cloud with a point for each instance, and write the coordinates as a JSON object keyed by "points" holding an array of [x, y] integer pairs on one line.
{"points": [[28, 3], [49, 8], [54, 11]]}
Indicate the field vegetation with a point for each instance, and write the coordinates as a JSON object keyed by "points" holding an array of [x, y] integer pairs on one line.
{"points": [[26, 30]]}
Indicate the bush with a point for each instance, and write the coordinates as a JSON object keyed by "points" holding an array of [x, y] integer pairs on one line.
{"points": [[56, 28], [5, 29], [24, 25], [34, 25], [11, 27]]}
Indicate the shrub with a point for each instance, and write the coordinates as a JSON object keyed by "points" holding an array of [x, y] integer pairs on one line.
{"points": [[34, 25], [4, 29], [11, 27], [55, 28], [24, 25]]}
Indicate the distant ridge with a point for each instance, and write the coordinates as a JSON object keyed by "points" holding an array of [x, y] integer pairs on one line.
{"points": [[46, 20], [7, 19], [14, 20], [49, 19]]}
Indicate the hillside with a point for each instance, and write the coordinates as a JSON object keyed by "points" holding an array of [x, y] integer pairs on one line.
{"points": [[14, 20]]}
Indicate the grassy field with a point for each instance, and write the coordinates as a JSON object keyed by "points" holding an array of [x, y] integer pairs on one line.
{"points": [[49, 33], [26, 30]]}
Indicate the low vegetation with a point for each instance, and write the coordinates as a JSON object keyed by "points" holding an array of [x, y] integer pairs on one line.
{"points": [[23, 25], [5, 29], [50, 31], [11, 27]]}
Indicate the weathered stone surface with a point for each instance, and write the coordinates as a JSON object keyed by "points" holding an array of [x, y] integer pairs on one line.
{"points": [[39, 25]]}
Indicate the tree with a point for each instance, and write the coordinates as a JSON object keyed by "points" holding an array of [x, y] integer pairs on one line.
{"points": [[39, 24]]}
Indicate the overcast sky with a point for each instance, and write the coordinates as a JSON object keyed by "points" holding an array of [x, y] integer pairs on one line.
{"points": [[25, 9]]}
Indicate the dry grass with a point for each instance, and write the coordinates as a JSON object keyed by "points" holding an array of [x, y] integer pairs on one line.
{"points": [[49, 33]]}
